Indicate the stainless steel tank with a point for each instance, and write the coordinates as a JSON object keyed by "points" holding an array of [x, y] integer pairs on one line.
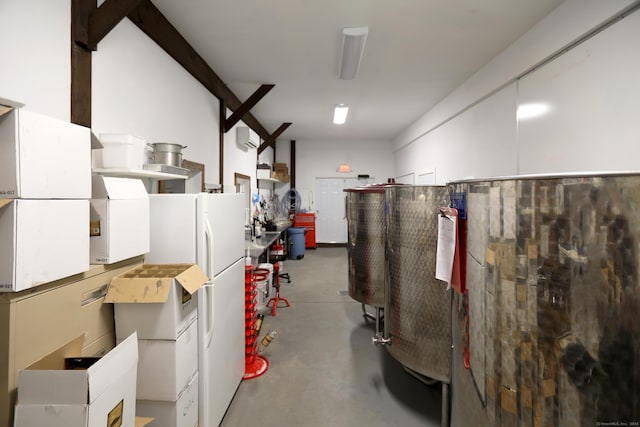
{"points": [[365, 247], [553, 302], [417, 306]]}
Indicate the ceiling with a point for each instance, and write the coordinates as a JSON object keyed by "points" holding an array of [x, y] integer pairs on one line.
{"points": [[417, 52]]}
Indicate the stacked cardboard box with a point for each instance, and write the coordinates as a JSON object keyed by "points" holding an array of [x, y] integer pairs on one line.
{"points": [[166, 323], [45, 187], [281, 172]]}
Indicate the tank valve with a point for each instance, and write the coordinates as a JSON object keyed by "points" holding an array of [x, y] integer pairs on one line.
{"points": [[380, 340]]}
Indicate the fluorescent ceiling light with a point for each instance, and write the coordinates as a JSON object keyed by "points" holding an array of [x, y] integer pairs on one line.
{"points": [[340, 114], [529, 111], [353, 41]]}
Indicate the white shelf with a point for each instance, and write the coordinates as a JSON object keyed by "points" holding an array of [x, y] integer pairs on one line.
{"points": [[270, 180], [138, 173]]}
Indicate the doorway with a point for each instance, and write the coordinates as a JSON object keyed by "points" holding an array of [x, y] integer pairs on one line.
{"points": [[331, 221]]}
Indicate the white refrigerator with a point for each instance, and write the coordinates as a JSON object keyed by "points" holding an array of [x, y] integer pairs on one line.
{"points": [[208, 230]]}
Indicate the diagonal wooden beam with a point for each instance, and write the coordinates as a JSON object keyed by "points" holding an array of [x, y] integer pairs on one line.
{"points": [[151, 21], [246, 106], [271, 140], [104, 19]]}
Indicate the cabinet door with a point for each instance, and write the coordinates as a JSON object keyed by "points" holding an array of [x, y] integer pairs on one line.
{"points": [[38, 324], [47, 321]]}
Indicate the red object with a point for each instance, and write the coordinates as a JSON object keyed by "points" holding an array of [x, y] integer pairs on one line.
{"points": [[278, 298], [459, 273], [254, 364], [308, 221]]}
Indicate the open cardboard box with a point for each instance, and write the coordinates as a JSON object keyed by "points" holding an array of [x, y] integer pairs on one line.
{"points": [[119, 219], [156, 300], [54, 393]]}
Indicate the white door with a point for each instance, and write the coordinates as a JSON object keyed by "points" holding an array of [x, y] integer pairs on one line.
{"points": [[223, 227], [331, 222], [221, 361]]}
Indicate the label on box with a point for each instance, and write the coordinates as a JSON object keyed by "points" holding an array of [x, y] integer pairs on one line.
{"points": [[114, 418], [94, 228]]}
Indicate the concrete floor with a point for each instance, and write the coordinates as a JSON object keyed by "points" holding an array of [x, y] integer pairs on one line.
{"points": [[323, 368]]}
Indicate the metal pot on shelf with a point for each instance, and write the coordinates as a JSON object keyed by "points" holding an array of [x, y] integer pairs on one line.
{"points": [[165, 153]]}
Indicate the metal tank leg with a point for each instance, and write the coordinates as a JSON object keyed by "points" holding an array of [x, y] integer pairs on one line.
{"points": [[366, 314], [445, 405]]}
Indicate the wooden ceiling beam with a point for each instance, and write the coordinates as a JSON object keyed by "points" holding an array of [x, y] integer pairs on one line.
{"points": [[104, 19], [246, 106], [151, 21], [80, 62], [271, 140]]}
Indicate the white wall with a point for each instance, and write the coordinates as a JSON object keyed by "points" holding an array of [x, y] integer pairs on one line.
{"points": [[479, 142], [238, 160], [140, 90], [137, 88], [35, 64], [592, 94], [471, 132], [320, 159]]}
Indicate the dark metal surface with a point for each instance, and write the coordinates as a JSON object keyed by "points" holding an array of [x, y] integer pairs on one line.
{"points": [[418, 307], [365, 217], [554, 295]]}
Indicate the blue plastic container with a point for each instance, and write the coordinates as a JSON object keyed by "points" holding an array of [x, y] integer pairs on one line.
{"points": [[296, 242]]}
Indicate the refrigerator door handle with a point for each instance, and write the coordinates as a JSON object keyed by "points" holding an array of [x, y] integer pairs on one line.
{"points": [[209, 292], [204, 302]]}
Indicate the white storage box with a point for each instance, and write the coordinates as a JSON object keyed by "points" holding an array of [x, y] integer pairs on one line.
{"points": [[42, 241], [119, 219], [176, 360], [43, 158], [181, 413], [122, 152], [264, 173], [101, 395], [162, 313]]}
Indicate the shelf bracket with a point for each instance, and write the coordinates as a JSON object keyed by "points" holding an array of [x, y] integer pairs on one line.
{"points": [[271, 141], [246, 106]]}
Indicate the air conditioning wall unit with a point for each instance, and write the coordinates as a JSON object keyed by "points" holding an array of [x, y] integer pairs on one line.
{"points": [[244, 139]]}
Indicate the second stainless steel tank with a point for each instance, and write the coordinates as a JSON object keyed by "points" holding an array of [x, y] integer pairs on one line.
{"points": [[418, 307], [365, 248]]}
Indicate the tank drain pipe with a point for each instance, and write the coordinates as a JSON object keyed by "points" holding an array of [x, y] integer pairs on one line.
{"points": [[379, 338]]}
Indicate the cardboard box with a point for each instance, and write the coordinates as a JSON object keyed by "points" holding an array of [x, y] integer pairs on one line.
{"points": [[42, 241], [119, 219], [281, 167], [177, 360], [43, 158], [162, 314], [103, 394], [280, 176], [181, 413]]}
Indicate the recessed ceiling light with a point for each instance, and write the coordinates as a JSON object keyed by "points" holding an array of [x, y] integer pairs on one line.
{"points": [[340, 114], [529, 111]]}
